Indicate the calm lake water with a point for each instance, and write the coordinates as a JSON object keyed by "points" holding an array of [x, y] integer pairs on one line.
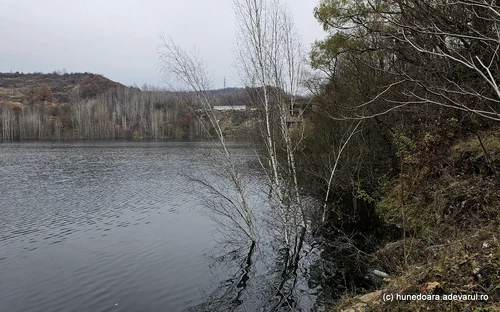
{"points": [[119, 226]]}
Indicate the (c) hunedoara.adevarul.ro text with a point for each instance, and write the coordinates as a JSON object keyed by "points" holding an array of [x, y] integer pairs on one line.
{"points": [[430, 297]]}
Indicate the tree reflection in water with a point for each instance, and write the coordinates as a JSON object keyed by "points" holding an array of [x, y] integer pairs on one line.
{"points": [[266, 276], [261, 277]]}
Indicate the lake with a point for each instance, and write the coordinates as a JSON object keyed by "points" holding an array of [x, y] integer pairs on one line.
{"points": [[121, 226]]}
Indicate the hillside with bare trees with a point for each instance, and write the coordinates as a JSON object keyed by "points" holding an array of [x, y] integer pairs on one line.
{"points": [[89, 106]]}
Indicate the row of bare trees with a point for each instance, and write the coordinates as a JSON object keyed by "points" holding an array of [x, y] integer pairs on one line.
{"points": [[28, 123], [119, 113]]}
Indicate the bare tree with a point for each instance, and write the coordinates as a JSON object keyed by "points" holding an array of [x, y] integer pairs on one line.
{"points": [[189, 69], [333, 166], [471, 50], [270, 59], [442, 52]]}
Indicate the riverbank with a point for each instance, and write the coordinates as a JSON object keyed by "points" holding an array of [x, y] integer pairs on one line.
{"points": [[447, 209]]}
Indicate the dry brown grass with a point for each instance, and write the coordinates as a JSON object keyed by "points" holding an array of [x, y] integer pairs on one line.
{"points": [[453, 227]]}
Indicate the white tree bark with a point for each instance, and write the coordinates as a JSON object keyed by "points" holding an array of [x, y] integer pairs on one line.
{"points": [[270, 59], [190, 70]]}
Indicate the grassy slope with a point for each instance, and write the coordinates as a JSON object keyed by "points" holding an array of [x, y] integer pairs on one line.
{"points": [[452, 246], [17, 89]]}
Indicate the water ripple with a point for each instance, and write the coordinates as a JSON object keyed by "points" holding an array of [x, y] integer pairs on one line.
{"points": [[86, 226]]}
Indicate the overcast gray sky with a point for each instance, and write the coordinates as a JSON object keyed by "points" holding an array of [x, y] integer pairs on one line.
{"points": [[119, 38]]}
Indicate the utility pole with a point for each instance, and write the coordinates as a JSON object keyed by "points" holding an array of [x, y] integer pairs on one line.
{"points": [[224, 82]]}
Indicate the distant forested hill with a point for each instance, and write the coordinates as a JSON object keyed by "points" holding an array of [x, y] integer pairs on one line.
{"points": [[40, 106]]}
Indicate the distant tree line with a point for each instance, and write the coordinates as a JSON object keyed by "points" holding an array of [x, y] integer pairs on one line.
{"points": [[98, 108]]}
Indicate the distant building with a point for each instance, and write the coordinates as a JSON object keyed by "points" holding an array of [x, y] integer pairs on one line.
{"points": [[230, 107]]}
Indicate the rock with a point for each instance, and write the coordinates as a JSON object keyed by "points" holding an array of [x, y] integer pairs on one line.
{"points": [[359, 307], [380, 273], [366, 300], [486, 245], [430, 286], [371, 297]]}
